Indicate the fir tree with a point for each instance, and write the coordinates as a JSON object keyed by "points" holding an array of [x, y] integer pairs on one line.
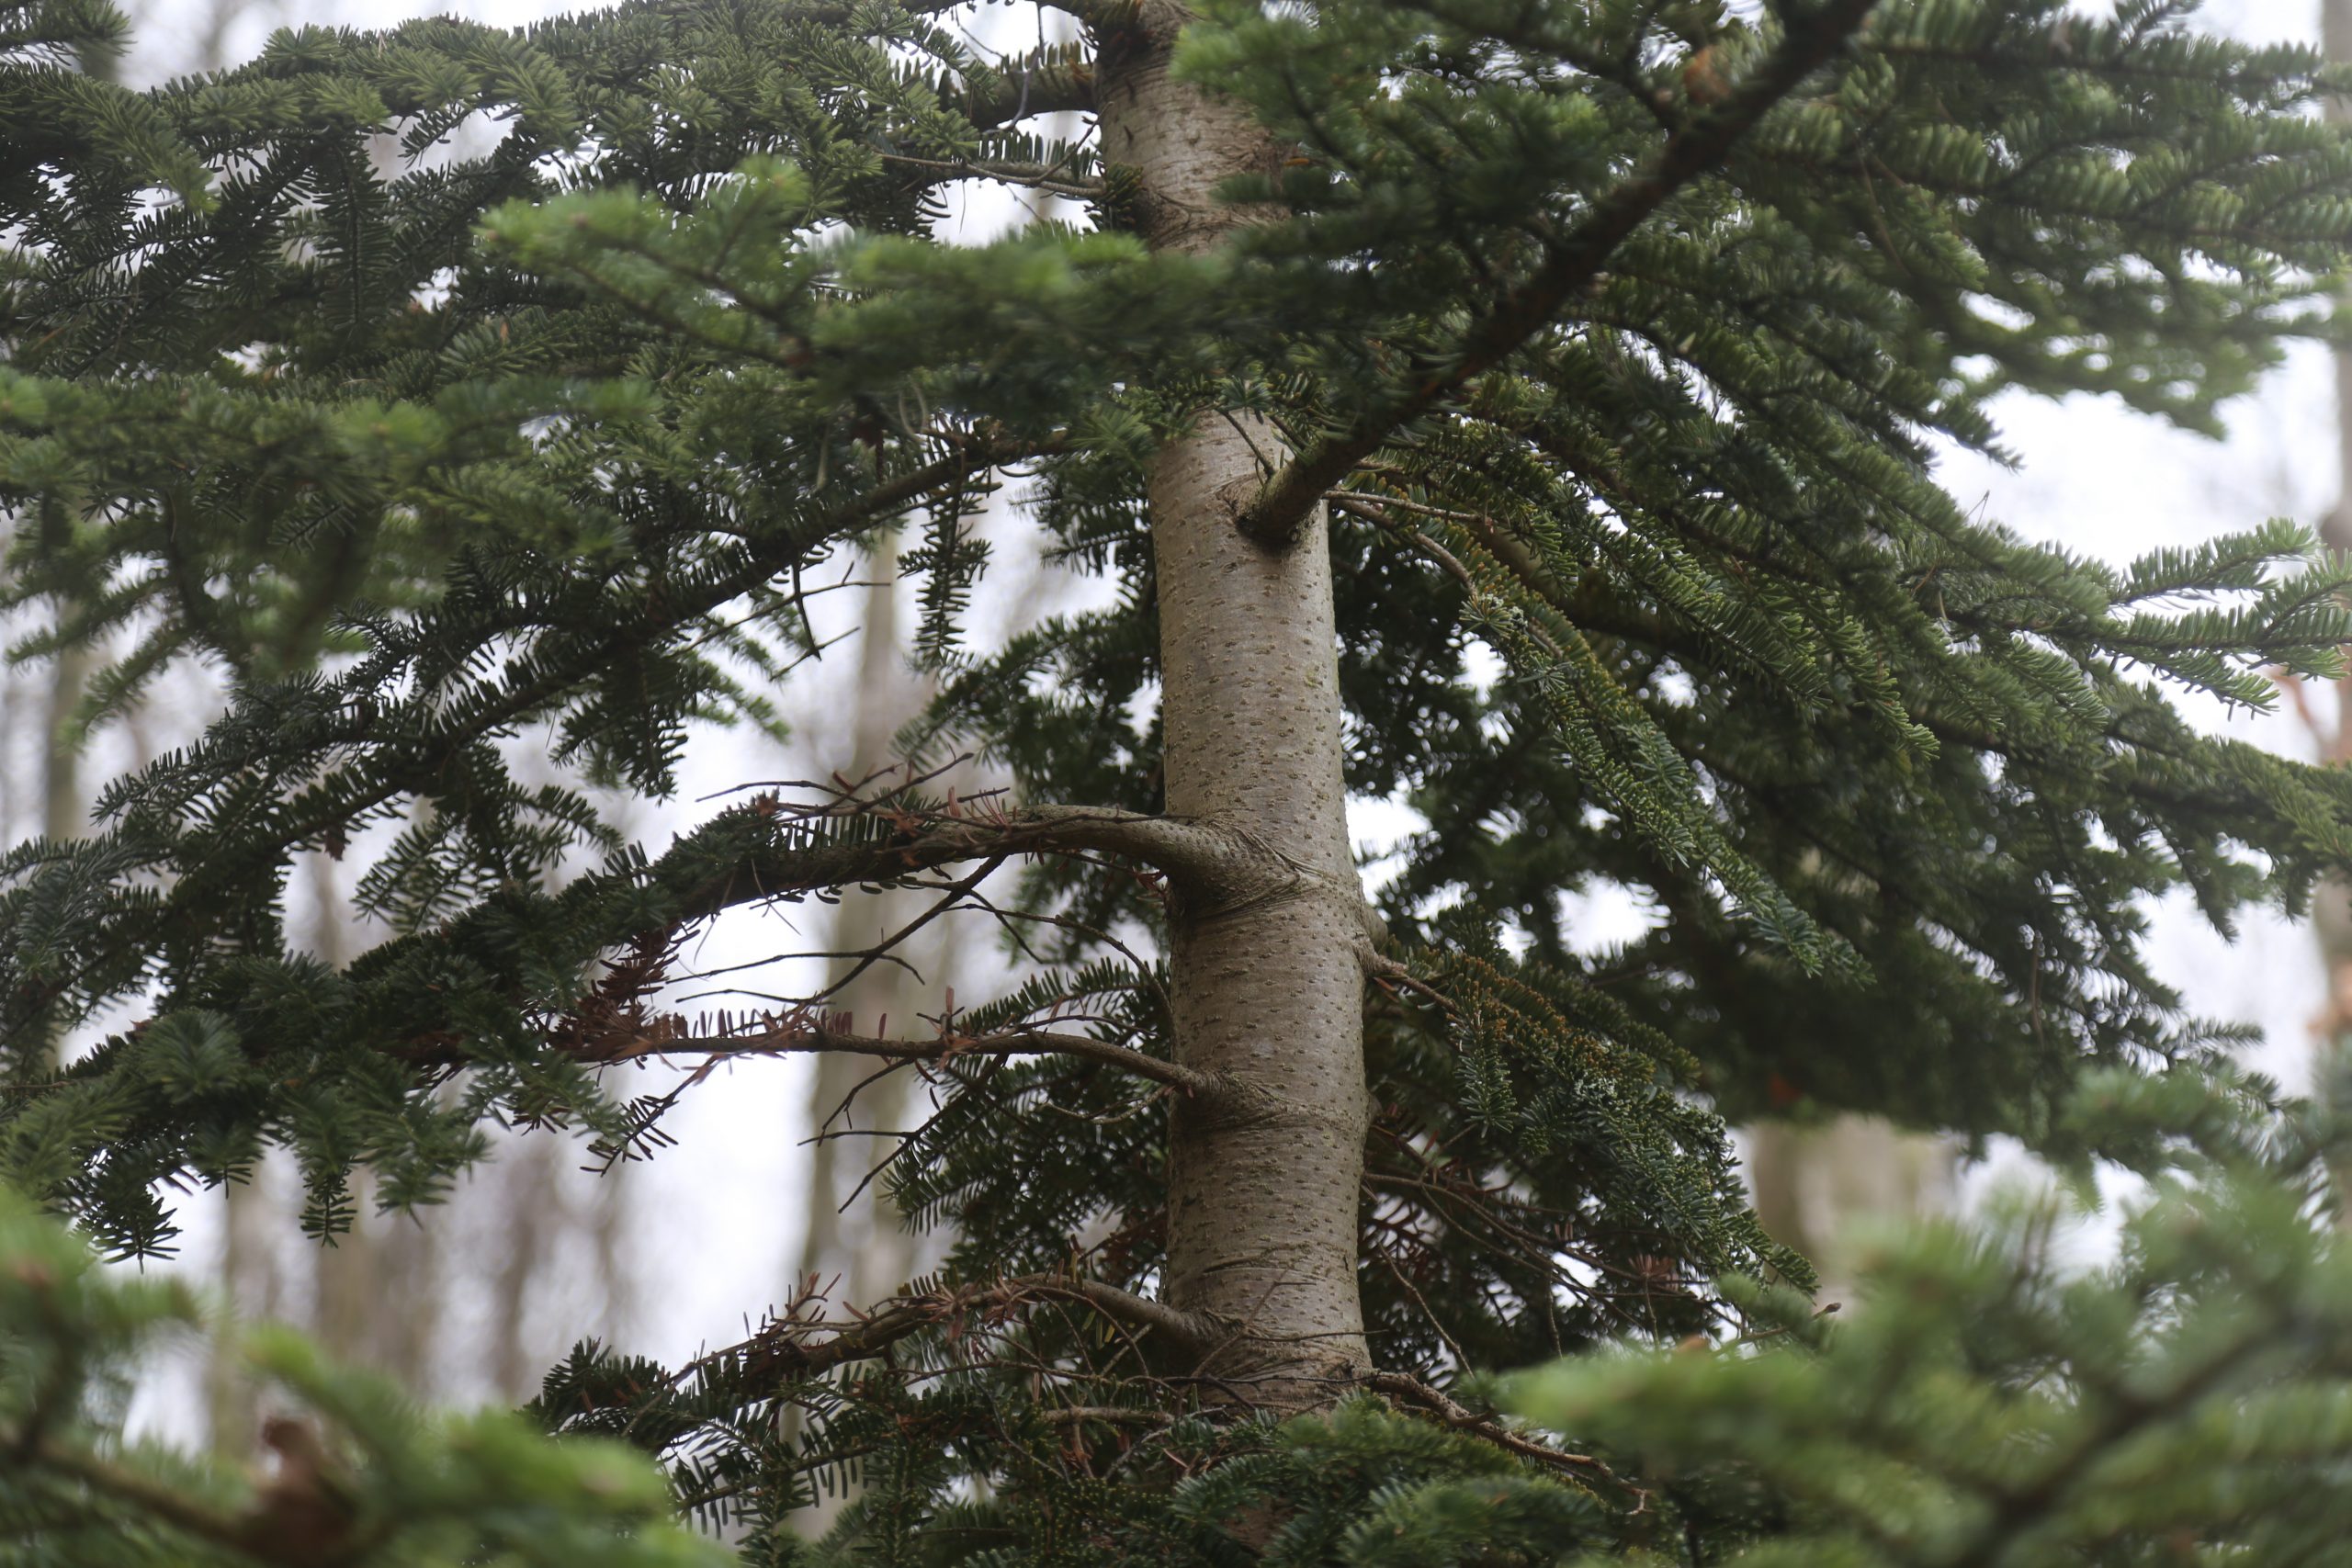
{"points": [[1612, 339]]}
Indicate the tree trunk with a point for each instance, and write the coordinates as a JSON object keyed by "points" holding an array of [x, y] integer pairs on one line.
{"points": [[525, 1199], [2332, 905], [2332, 908], [856, 1238], [61, 814], [377, 1292], [857, 1249], [1813, 1184], [249, 1279], [1267, 990]]}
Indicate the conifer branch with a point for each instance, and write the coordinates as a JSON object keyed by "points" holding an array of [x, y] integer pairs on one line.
{"points": [[786, 1349], [791, 1035], [1102, 16], [1204, 857], [1411, 1390], [1694, 149], [768, 849], [1059, 85], [163, 1504], [387, 772], [1047, 177], [1109, 1415]]}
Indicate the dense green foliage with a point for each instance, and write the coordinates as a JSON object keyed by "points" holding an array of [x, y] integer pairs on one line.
{"points": [[360, 1472], [454, 392], [2187, 1402], [2190, 1402]]}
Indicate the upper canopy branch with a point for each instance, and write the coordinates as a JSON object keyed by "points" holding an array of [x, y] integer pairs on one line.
{"points": [[1274, 518]]}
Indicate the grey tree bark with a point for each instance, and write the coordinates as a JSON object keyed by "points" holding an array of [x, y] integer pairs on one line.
{"points": [[1267, 976]]}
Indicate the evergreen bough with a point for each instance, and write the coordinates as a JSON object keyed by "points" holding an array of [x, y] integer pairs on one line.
{"points": [[361, 1474], [445, 389]]}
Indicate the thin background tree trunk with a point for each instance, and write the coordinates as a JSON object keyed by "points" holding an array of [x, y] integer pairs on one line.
{"points": [[858, 1245], [378, 1290], [857, 1248], [2332, 917], [2332, 902], [63, 812], [1813, 1184]]}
